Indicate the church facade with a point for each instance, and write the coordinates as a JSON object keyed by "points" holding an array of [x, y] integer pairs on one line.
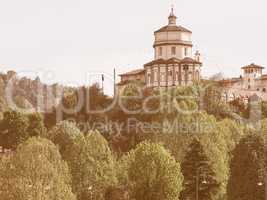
{"points": [[174, 63]]}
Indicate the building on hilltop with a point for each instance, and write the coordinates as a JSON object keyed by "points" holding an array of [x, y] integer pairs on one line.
{"points": [[173, 64], [251, 82]]}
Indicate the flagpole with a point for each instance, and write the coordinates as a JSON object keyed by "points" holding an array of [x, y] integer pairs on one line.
{"points": [[102, 78]]}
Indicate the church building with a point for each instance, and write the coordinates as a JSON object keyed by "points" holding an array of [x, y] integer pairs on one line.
{"points": [[252, 82], [174, 63]]}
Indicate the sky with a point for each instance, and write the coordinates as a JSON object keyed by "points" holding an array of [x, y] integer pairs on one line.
{"points": [[66, 41]]}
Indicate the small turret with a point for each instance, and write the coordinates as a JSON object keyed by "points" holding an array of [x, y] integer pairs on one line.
{"points": [[172, 18], [198, 56]]}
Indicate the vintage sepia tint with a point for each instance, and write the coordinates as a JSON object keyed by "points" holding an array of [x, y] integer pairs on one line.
{"points": [[133, 100]]}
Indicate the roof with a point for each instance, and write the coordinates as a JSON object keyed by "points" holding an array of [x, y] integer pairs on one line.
{"points": [[128, 82], [162, 61], [252, 65], [231, 80], [173, 61], [134, 72], [173, 28], [190, 61], [263, 77]]}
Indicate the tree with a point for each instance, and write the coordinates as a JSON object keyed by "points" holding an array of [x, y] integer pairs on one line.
{"points": [[36, 172], [213, 102], [154, 173], [13, 129], [264, 109], [36, 125], [199, 177], [92, 166], [63, 135], [248, 169], [116, 193], [4, 164]]}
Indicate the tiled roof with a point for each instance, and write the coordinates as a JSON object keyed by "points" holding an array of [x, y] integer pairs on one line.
{"points": [[129, 81], [190, 61], [231, 80], [134, 72], [252, 65], [173, 28], [263, 77], [162, 61], [173, 61]]}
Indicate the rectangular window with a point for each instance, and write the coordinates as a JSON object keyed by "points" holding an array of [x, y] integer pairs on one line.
{"points": [[185, 67], [149, 78], [155, 75], [162, 76], [160, 51], [185, 52], [173, 50]]}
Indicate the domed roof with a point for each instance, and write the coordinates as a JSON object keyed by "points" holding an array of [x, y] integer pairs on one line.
{"points": [[172, 25], [173, 28]]}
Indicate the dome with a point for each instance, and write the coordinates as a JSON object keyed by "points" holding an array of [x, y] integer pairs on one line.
{"points": [[172, 25], [173, 28]]}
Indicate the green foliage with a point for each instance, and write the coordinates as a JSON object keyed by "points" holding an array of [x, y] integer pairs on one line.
{"points": [[92, 166], [199, 177], [36, 172], [154, 173], [17, 127], [117, 193], [36, 125], [63, 135], [149, 171], [213, 102], [264, 109], [14, 129], [248, 169]]}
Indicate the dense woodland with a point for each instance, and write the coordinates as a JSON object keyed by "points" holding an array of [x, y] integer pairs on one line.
{"points": [[214, 153]]}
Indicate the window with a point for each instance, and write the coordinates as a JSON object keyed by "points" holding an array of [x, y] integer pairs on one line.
{"points": [[186, 67], [155, 75], [197, 75], [264, 89], [162, 76], [149, 78], [185, 52], [170, 73], [173, 50], [160, 51]]}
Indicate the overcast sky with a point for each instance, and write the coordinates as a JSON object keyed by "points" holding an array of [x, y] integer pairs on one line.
{"points": [[73, 37]]}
